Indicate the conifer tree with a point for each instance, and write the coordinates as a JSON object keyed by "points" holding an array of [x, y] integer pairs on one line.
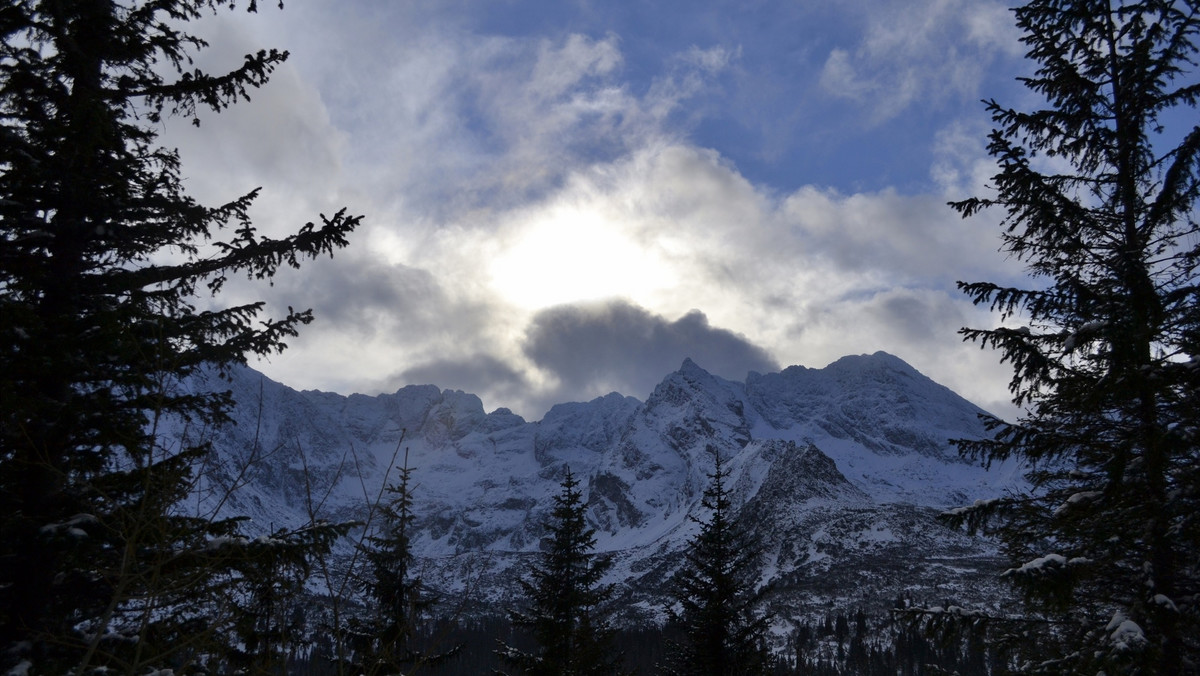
{"points": [[566, 613], [400, 598], [1106, 545], [102, 257], [716, 594], [265, 582]]}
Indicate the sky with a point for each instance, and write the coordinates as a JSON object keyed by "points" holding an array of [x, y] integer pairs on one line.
{"points": [[566, 198]]}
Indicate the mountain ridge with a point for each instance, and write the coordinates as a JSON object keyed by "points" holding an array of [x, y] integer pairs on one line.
{"points": [[837, 468]]}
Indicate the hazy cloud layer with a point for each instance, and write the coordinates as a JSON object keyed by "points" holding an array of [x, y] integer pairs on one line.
{"points": [[920, 52], [568, 202]]}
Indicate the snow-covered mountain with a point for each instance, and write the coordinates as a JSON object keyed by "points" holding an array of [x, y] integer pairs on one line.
{"points": [[841, 470]]}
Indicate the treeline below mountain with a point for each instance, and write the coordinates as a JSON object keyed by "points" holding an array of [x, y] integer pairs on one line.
{"points": [[864, 644], [108, 270], [568, 619]]}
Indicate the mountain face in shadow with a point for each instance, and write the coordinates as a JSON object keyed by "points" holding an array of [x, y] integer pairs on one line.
{"points": [[840, 471]]}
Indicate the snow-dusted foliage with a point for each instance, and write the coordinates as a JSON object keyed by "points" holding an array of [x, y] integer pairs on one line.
{"points": [[717, 602], [103, 257], [565, 606], [1104, 546]]}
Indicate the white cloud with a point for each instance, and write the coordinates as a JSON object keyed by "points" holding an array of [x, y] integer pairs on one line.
{"points": [[993, 25], [915, 53], [712, 60], [481, 158], [281, 139], [962, 167], [809, 276], [560, 66], [569, 255]]}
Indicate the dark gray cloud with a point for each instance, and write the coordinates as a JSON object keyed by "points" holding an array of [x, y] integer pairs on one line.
{"points": [[919, 318], [497, 382], [617, 346], [356, 294], [586, 351], [366, 298]]}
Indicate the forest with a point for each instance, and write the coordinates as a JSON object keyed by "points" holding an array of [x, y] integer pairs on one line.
{"points": [[110, 275]]}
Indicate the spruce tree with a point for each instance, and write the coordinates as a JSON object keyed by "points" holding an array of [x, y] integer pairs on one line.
{"points": [[102, 258], [717, 599], [265, 586], [1098, 190], [566, 613], [400, 600]]}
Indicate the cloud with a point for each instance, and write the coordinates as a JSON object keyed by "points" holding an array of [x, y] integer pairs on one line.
{"points": [[919, 326], [445, 122], [961, 165], [366, 298], [924, 52], [713, 60], [805, 274], [804, 277], [578, 352], [483, 374], [282, 139], [617, 346], [886, 235], [484, 157]]}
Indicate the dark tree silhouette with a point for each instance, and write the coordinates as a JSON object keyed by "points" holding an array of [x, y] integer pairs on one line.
{"points": [[102, 255], [1099, 192], [566, 615], [717, 599], [266, 578], [399, 598]]}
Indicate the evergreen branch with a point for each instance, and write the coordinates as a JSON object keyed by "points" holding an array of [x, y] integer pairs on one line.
{"points": [[260, 257]]}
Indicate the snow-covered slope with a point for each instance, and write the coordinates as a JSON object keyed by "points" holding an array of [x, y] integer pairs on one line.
{"points": [[841, 470]]}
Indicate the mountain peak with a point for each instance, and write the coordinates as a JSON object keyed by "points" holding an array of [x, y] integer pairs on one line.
{"points": [[694, 379], [840, 469], [690, 367], [870, 362]]}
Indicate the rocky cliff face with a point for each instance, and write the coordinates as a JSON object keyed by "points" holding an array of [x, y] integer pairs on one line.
{"points": [[840, 470]]}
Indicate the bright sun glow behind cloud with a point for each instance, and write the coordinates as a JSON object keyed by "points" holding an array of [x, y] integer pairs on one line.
{"points": [[572, 256], [783, 173]]}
